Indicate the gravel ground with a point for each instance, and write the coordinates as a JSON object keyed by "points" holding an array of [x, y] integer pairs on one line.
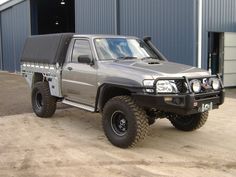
{"points": [[72, 143]]}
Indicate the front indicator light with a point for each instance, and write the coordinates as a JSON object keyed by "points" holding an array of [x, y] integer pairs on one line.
{"points": [[149, 83], [168, 99]]}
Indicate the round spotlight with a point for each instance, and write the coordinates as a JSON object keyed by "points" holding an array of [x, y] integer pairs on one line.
{"points": [[196, 86], [215, 83], [63, 2]]}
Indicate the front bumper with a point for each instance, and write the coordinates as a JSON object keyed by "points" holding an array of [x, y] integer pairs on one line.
{"points": [[184, 104]]}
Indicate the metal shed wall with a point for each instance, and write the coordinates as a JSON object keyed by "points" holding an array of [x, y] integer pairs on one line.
{"points": [[0, 44], [15, 29], [95, 16], [7, 40], [218, 16], [171, 23]]}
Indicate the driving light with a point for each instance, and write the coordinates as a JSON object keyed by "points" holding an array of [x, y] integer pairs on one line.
{"points": [[215, 83], [196, 86], [63, 2], [166, 86]]}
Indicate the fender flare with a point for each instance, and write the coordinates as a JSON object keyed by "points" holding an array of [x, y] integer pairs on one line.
{"points": [[101, 91]]}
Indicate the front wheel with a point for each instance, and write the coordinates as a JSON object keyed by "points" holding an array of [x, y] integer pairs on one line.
{"points": [[190, 122], [124, 122]]}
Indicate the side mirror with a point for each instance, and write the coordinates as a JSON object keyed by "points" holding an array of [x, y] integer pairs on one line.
{"points": [[85, 59]]}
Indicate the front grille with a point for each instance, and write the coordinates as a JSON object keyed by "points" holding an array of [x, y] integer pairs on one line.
{"points": [[181, 86]]}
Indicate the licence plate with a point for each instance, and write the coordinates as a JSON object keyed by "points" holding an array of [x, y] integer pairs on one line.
{"points": [[205, 107]]}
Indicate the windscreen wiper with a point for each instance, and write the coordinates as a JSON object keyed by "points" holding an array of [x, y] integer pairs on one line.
{"points": [[146, 58], [126, 58]]}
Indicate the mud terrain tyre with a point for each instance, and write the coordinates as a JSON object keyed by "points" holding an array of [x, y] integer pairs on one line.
{"points": [[189, 123], [43, 104], [124, 123]]}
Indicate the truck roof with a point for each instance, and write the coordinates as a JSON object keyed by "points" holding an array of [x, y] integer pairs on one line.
{"points": [[52, 48], [102, 36]]}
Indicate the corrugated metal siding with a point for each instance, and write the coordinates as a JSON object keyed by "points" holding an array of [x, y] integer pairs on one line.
{"points": [[0, 44], [21, 21], [15, 29], [7, 41], [95, 16], [218, 16], [171, 23]]}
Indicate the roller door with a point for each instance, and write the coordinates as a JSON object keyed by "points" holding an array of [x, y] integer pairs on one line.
{"points": [[230, 59]]}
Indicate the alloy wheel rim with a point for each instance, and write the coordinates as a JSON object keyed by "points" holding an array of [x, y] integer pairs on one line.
{"points": [[119, 123]]}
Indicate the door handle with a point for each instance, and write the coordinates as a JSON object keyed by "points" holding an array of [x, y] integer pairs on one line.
{"points": [[70, 68]]}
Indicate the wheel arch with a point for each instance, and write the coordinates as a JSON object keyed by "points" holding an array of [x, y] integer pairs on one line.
{"points": [[107, 91], [37, 77]]}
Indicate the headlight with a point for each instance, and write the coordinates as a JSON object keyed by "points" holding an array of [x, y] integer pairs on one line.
{"points": [[215, 83], [196, 85], [166, 86], [149, 83]]}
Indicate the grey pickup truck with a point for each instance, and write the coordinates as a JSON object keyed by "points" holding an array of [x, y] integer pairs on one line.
{"points": [[124, 78]]}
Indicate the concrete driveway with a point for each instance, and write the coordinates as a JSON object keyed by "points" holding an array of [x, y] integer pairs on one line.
{"points": [[72, 143]]}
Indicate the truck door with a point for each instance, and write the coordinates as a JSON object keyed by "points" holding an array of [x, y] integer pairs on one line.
{"points": [[79, 79]]}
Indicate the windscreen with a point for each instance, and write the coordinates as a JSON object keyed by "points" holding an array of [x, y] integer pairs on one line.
{"points": [[122, 48]]}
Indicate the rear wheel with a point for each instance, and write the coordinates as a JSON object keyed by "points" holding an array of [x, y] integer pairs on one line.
{"points": [[124, 123], [43, 104], [189, 123]]}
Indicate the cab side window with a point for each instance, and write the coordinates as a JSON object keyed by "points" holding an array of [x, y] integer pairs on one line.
{"points": [[81, 48]]}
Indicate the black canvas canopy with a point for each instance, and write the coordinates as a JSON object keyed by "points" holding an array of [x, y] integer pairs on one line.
{"points": [[48, 49]]}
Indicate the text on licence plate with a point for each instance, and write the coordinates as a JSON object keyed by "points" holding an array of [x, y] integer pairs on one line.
{"points": [[205, 107]]}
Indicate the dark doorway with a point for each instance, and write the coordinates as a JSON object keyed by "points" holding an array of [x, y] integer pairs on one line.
{"points": [[214, 52], [54, 16]]}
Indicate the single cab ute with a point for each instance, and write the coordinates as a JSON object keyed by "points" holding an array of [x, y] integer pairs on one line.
{"points": [[124, 78]]}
